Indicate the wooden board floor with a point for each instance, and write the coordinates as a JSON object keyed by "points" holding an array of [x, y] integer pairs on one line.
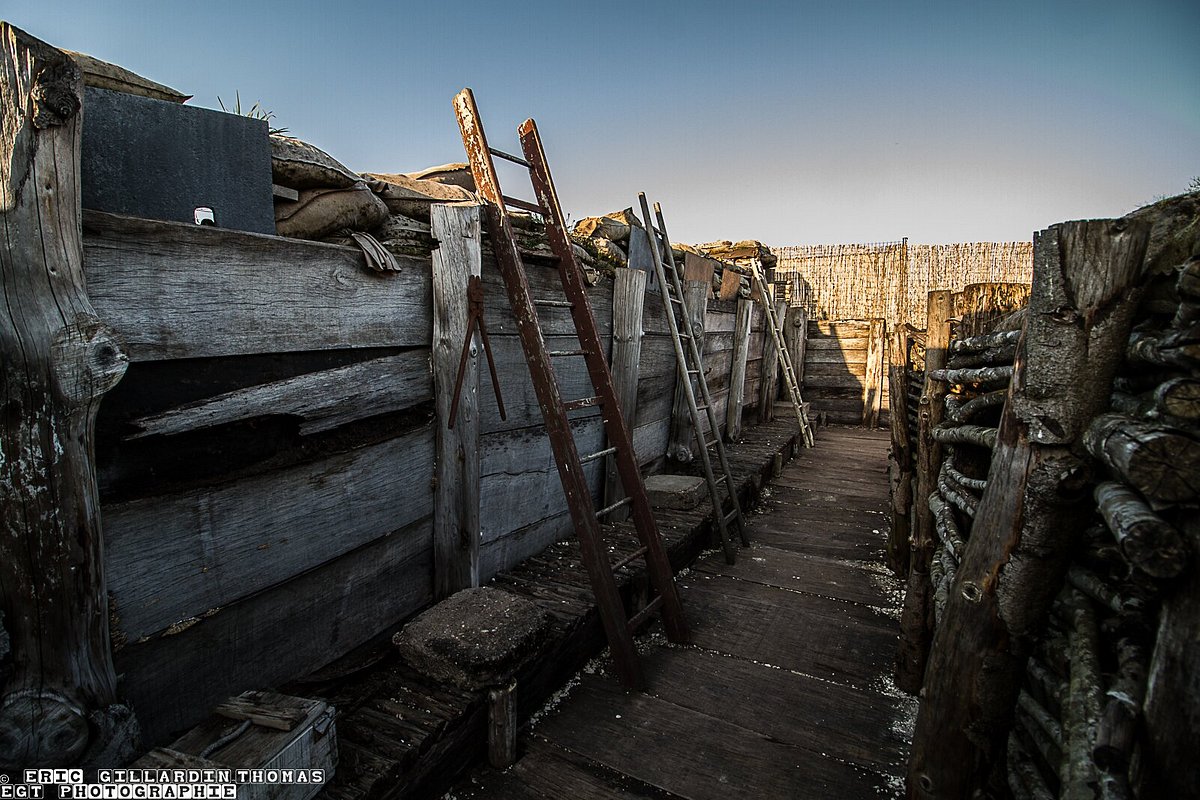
{"points": [[785, 689]]}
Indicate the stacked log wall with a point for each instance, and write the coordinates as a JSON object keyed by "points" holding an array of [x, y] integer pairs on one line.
{"points": [[1080, 684]]}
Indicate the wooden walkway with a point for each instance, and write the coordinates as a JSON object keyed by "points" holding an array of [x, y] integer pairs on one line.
{"points": [[785, 690]]}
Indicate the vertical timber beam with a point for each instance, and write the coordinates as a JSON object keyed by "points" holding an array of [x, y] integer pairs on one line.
{"points": [[900, 464], [768, 387], [629, 299], [57, 360], [873, 378], [795, 334], [737, 369], [916, 620], [1086, 287], [695, 295], [456, 527]]}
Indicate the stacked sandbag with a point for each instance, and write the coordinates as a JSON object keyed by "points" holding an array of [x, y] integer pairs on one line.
{"points": [[457, 174], [606, 238], [331, 198], [740, 253]]}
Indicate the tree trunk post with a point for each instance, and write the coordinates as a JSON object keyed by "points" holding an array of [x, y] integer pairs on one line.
{"points": [[737, 369], [629, 298], [916, 621], [695, 295], [795, 334], [875, 374], [768, 388], [456, 523], [57, 360], [1085, 291]]}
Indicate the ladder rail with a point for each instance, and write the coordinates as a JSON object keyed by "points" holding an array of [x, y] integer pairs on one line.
{"points": [[682, 370], [702, 382]]}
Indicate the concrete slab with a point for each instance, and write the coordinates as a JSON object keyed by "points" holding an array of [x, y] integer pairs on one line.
{"points": [[675, 491], [474, 638]]}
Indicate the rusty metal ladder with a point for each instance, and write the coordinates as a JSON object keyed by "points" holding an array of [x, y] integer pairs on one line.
{"points": [[617, 626], [691, 368]]}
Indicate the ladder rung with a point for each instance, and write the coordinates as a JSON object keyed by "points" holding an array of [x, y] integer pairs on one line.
{"points": [[731, 515], [624, 501], [525, 205], [643, 615], [693, 372], [703, 407], [675, 300], [583, 402], [721, 479], [509, 157], [641, 551], [554, 303], [561, 353], [597, 454]]}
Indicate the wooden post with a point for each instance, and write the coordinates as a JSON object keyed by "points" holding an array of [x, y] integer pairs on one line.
{"points": [[768, 387], [916, 620], [456, 527], [1085, 290], [900, 465], [629, 297], [502, 725], [57, 360], [795, 334], [873, 379], [737, 370], [695, 294]]}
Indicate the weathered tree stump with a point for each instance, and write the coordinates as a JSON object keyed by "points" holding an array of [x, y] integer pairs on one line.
{"points": [[57, 359]]}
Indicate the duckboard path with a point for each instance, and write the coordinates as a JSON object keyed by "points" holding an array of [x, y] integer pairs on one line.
{"points": [[785, 690]]}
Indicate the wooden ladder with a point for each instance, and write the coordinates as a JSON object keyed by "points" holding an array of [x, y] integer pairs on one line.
{"points": [[617, 626], [781, 352], [690, 363]]}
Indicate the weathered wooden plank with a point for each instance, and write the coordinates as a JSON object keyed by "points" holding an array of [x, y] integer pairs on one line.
{"points": [[836, 579], [324, 400], [231, 540], [843, 380], [629, 294], [456, 498], [519, 483], [838, 328], [175, 290], [850, 724], [174, 680], [830, 639], [846, 344], [58, 357], [769, 387], [796, 336], [691, 754]]}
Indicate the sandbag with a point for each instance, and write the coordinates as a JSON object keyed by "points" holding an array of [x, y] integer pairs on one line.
{"points": [[320, 212], [300, 165], [457, 174], [411, 196], [609, 250], [603, 228]]}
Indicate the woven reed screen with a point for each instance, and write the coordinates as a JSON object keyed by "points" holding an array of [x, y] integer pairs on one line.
{"points": [[892, 279]]}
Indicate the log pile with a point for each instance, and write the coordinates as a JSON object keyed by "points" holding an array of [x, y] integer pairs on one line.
{"points": [[1068, 604]]}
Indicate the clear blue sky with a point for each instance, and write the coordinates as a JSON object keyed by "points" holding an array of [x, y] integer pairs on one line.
{"points": [[786, 122]]}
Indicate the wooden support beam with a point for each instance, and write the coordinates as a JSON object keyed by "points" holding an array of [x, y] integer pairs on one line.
{"points": [[57, 360], [502, 725], [900, 469], [629, 299], [795, 335], [695, 295], [737, 369], [768, 387], [916, 621], [456, 495], [1086, 288], [873, 376]]}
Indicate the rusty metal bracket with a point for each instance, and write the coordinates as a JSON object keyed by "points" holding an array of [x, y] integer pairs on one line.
{"points": [[475, 317]]}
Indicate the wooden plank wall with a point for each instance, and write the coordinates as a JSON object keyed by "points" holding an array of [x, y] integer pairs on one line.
{"points": [[265, 466], [835, 366]]}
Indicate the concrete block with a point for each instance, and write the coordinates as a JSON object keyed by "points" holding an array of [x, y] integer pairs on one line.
{"points": [[160, 160], [675, 491], [474, 638]]}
